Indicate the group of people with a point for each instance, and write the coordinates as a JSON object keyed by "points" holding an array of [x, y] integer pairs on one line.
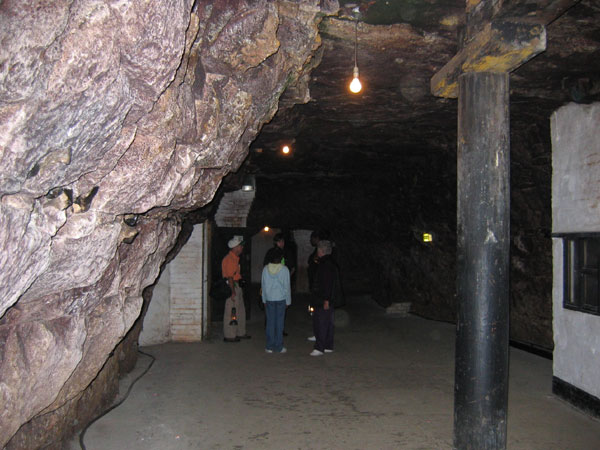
{"points": [[276, 292]]}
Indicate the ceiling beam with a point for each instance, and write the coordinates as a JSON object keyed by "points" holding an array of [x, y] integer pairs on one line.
{"points": [[498, 47], [541, 12]]}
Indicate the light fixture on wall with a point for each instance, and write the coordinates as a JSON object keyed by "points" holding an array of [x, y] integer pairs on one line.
{"points": [[427, 237], [355, 84], [266, 229], [285, 149], [249, 183]]}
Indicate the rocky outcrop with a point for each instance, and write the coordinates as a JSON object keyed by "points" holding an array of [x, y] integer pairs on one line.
{"points": [[115, 118]]}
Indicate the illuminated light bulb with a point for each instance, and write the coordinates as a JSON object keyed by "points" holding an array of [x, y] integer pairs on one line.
{"points": [[427, 237], [285, 149], [266, 229], [355, 85]]}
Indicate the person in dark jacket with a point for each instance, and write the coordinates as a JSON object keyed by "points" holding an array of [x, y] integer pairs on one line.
{"points": [[311, 268], [324, 295], [313, 260], [288, 257]]}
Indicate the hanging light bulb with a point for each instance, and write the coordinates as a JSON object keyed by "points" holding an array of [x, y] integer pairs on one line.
{"points": [[355, 84]]}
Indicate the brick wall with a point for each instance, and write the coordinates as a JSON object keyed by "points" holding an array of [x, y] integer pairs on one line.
{"points": [[187, 289]]}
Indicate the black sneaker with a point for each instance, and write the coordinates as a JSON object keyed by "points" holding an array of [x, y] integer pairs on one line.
{"points": [[236, 339]]}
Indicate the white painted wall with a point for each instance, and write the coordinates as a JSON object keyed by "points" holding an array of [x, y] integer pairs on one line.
{"points": [[179, 307], [575, 208], [187, 289], [234, 208], [157, 322]]}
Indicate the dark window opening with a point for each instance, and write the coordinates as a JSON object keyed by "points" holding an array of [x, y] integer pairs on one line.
{"points": [[581, 265]]}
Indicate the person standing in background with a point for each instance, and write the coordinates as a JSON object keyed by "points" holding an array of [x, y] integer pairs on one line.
{"points": [[313, 259], [277, 296], [234, 325], [288, 258], [324, 296]]}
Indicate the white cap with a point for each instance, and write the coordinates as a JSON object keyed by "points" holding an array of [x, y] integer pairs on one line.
{"points": [[235, 241]]}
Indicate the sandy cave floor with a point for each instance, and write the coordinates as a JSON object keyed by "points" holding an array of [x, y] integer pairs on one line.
{"points": [[388, 385]]}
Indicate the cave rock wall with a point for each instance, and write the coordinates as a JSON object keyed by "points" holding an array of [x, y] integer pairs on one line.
{"points": [[115, 118]]}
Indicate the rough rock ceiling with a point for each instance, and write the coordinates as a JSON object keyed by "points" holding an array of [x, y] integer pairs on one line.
{"points": [[395, 124]]}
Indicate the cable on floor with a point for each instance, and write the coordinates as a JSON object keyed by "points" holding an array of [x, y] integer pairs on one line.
{"points": [[82, 434]]}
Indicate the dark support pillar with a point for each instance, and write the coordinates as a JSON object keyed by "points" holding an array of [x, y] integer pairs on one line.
{"points": [[481, 373]]}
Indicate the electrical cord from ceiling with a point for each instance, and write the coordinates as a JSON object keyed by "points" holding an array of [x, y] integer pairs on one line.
{"points": [[82, 434]]}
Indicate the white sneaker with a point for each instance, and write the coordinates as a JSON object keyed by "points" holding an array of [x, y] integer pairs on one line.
{"points": [[268, 351], [316, 352], [328, 350], [312, 339], [283, 350]]}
